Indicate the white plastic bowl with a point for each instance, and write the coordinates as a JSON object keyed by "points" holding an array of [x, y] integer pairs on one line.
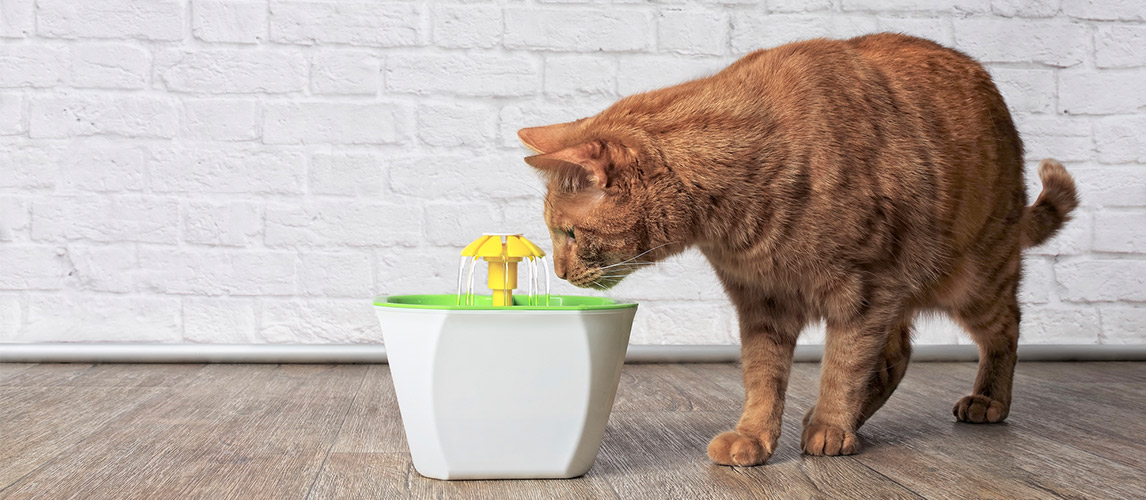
{"points": [[500, 393]]}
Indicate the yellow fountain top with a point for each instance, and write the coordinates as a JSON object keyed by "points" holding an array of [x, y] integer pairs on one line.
{"points": [[506, 245], [502, 251]]}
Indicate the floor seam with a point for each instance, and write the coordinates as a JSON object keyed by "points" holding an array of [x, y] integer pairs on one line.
{"points": [[334, 441], [892, 481], [55, 457]]}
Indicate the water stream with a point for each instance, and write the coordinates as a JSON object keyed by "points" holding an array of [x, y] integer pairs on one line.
{"points": [[545, 269], [532, 281], [461, 278], [535, 267], [470, 282]]}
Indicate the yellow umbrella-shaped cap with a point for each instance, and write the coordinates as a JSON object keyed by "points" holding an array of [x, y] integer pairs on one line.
{"points": [[534, 250], [502, 245], [472, 249], [516, 246], [489, 245]]}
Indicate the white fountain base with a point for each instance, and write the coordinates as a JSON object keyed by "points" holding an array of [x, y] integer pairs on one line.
{"points": [[499, 394]]}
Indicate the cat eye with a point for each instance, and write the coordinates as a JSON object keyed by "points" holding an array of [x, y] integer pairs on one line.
{"points": [[569, 234]]}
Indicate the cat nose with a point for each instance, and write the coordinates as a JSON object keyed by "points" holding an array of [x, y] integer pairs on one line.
{"points": [[559, 269]]}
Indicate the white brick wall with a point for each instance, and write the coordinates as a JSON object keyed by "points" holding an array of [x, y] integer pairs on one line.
{"points": [[254, 171]]}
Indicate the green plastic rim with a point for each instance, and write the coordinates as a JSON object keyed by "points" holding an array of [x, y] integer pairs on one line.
{"points": [[485, 302]]}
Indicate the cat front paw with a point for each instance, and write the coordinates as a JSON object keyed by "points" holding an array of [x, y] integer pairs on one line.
{"points": [[731, 448], [976, 409], [824, 439]]}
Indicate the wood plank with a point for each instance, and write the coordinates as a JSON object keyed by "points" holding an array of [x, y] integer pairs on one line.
{"points": [[1087, 412], [803, 381], [47, 374], [238, 431], [703, 392], [915, 442], [671, 387], [373, 423], [10, 369], [958, 377], [366, 476], [1095, 372], [1101, 418], [264, 431], [55, 412], [589, 487], [662, 455], [930, 461], [727, 376], [39, 423], [640, 389], [392, 475], [101, 375]]}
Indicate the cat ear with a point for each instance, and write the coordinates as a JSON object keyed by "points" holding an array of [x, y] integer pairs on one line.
{"points": [[545, 139], [575, 167]]}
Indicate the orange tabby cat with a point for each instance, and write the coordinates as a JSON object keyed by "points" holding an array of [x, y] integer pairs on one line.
{"points": [[856, 181]]}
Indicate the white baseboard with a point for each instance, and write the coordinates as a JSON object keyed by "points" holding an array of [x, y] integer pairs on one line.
{"points": [[367, 353]]}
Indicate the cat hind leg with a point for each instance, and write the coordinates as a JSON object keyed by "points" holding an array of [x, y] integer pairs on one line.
{"points": [[888, 372], [994, 325], [850, 386]]}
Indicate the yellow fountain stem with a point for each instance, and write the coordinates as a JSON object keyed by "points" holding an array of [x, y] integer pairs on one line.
{"points": [[502, 252], [502, 279]]}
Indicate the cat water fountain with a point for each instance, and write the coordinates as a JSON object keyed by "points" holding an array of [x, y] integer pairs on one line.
{"points": [[501, 386]]}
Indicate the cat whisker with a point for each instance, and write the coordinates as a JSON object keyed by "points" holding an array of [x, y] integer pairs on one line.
{"points": [[639, 255], [606, 281], [622, 271], [631, 264]]}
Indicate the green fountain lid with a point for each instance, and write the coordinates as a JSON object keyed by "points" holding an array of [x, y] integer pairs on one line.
{"points": [[485, 302]]}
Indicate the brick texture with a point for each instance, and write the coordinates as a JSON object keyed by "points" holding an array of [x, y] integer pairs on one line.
{"points": [[250, 171], [230, 71], [235, 21], [372, 24], [142, 19], [110, 66], [17, 18], [577, 30]]}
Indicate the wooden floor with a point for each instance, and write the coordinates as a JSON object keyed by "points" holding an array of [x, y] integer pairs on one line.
{"points": [[1077, 430]]}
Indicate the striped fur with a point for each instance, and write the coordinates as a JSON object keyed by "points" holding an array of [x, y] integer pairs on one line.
{"points": [[860, 182]]}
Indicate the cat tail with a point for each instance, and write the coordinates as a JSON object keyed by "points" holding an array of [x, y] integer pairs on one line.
{"points": [[1053, 206]]}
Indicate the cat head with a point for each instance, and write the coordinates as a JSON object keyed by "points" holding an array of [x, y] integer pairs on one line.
{"points": [[611, 206]]}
